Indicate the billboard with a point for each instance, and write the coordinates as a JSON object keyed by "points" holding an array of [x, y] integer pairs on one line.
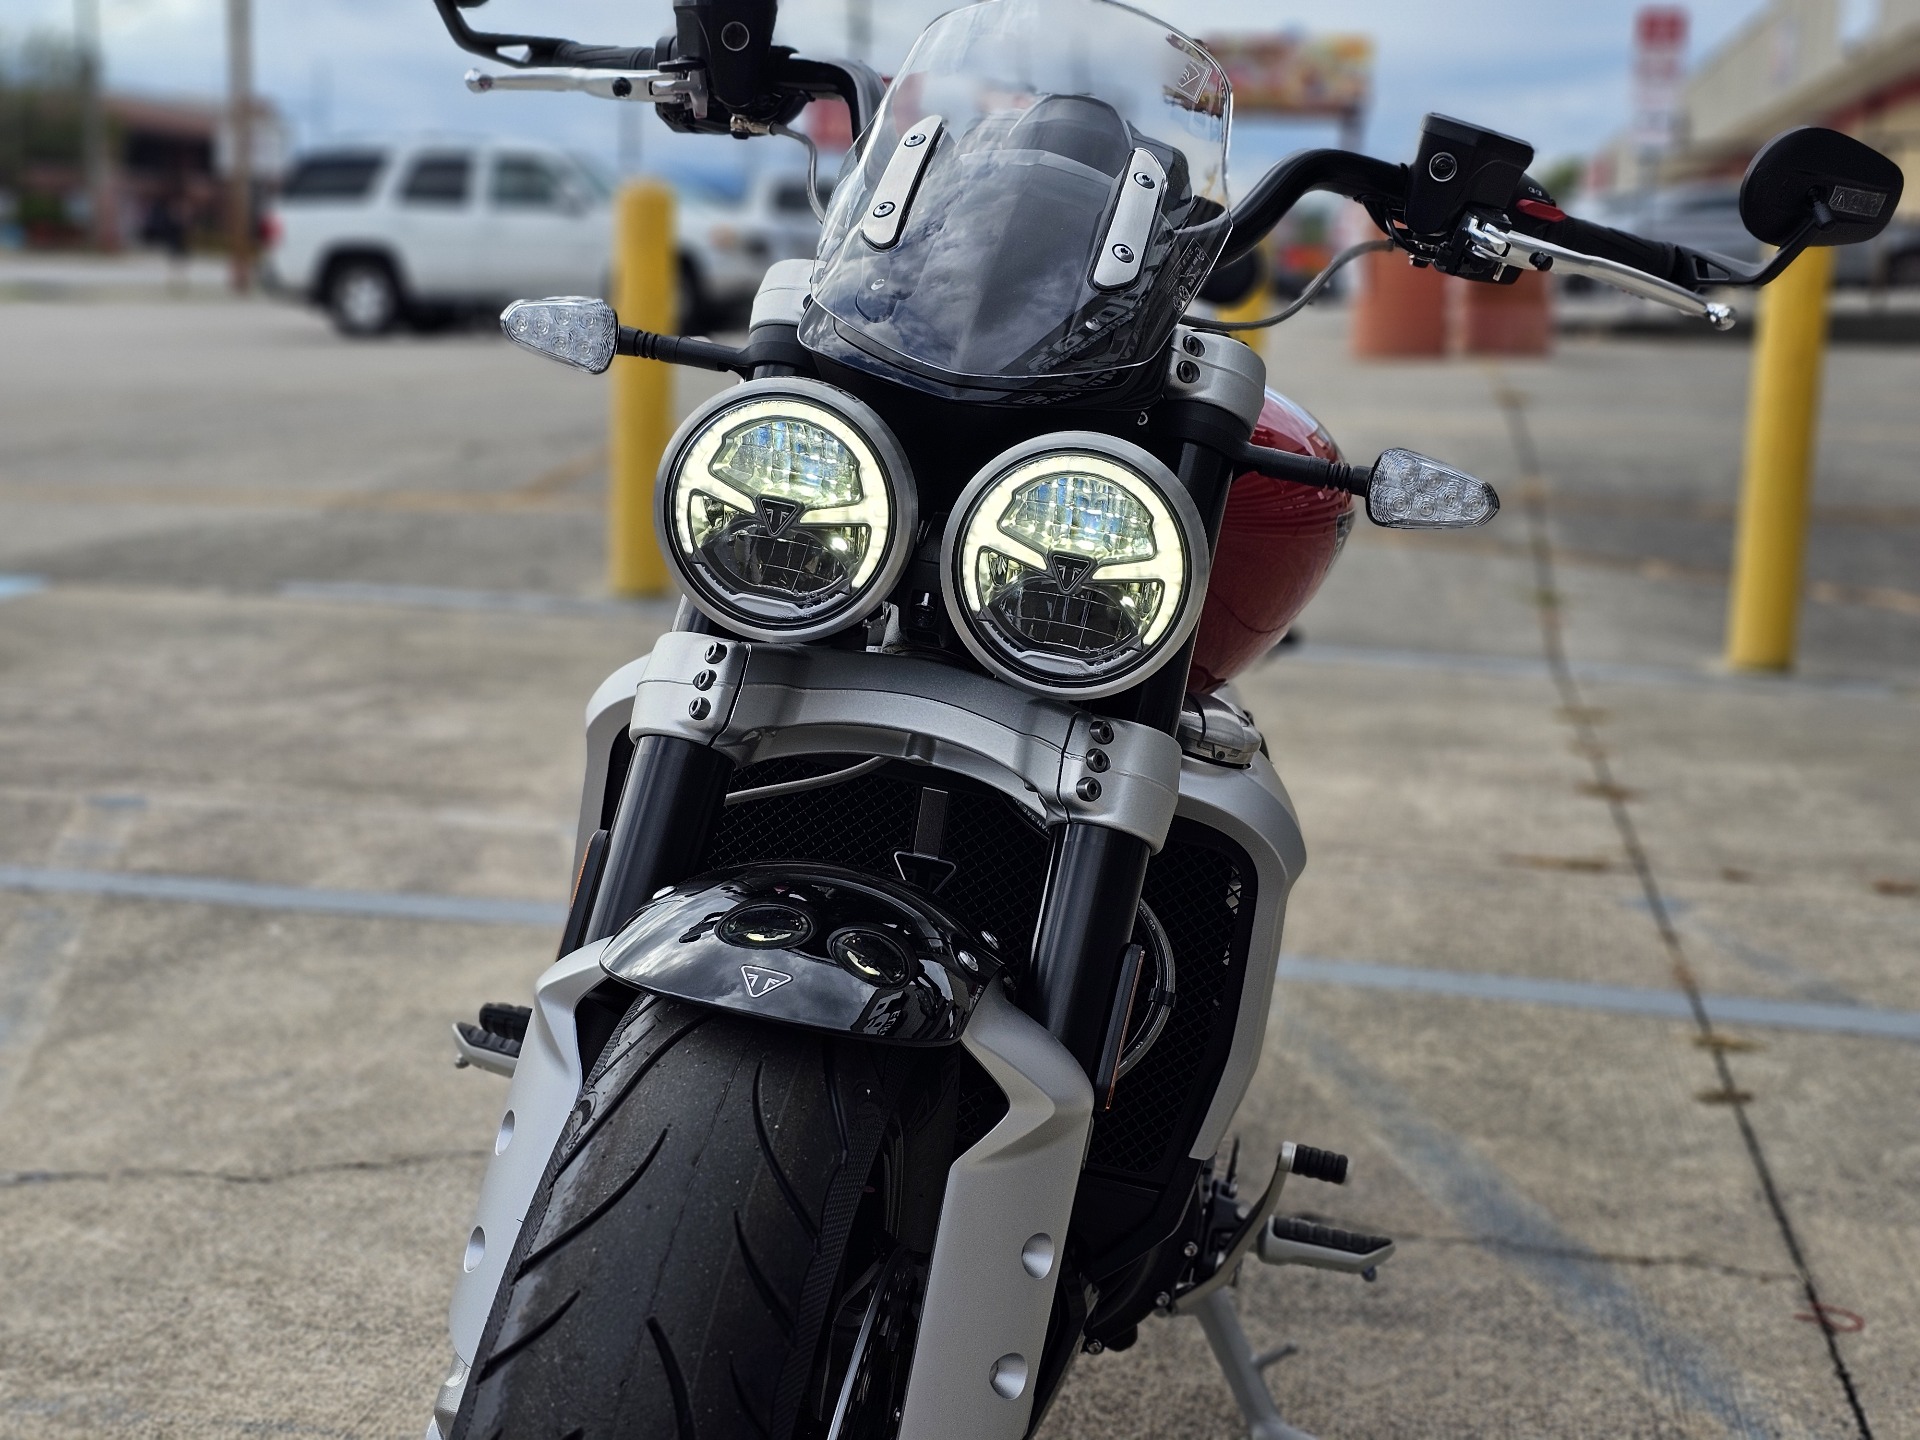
{"points": [[1293, 73]]}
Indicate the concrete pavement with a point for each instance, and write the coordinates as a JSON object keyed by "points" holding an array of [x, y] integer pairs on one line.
{"points": [[309, 614]]}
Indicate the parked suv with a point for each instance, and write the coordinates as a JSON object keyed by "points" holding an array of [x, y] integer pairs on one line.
{"points": [[387, 232]]}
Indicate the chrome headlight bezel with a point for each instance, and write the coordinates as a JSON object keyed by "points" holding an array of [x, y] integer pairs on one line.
{"points": [[893, 508], [990, 498]]}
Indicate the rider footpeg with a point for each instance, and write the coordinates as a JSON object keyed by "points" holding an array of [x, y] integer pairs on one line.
{"points": [[1298, 1241], [494, 1043], [1319, 1165]]}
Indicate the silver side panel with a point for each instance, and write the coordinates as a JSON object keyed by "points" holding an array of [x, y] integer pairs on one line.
{"points": [[546, 1082], [1003, 1227]]}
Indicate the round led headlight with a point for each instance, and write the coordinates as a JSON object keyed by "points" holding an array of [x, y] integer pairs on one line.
{"points": [[1075, 564], [786, 509]]}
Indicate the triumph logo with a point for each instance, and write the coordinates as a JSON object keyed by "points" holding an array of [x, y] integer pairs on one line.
{"points": [[1068, 571], [776, 516], [760, 982]]}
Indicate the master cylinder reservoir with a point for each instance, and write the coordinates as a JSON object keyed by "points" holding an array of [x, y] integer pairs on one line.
{"points": [[1276, 545]]}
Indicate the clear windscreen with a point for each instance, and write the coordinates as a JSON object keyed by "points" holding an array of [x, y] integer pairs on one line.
{"points": [[1057, 135]]}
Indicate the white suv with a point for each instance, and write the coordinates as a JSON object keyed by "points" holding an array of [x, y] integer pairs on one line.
{"points": [[385, 232]]}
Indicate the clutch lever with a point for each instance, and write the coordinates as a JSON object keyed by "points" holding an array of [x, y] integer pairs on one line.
{"points": [[1506, 247]]}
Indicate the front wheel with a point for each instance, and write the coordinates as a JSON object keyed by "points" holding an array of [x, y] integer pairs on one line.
{"points": [[729, 1242], [363, 297]]}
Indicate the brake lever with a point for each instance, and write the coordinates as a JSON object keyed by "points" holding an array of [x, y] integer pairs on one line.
{"points": [[1507, 247], [648, 87]]}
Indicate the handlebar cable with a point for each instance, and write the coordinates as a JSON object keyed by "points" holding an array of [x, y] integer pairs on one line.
{"points": [[1306, 296], [813, 167]]}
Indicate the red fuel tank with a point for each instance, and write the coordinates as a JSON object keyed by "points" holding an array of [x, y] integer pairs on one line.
{"points": [[1277, 543]]}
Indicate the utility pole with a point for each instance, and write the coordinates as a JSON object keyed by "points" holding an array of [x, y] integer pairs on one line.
{"points": [[240, 127], [93, 125], [860, 29]]}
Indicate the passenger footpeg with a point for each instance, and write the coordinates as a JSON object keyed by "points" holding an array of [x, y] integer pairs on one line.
{"points": [[1233, 1229], [494, 1043], [1299, 1241]]}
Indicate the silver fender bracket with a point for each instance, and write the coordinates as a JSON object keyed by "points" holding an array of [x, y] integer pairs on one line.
{"points": [[1003, 1225]]}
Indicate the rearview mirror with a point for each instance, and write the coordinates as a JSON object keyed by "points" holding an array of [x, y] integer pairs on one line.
{"points": [[576, 330], [1408, 491], [1821, 182]]}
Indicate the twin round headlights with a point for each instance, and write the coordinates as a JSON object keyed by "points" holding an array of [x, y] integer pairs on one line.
{"points": [[1074, 564]]}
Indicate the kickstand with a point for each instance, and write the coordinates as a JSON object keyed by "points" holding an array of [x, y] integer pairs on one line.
{"points": [[1221, 1320]]}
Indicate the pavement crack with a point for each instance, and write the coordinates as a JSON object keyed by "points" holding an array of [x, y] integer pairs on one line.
{"points": [[25, 1179], [1604, 786]]}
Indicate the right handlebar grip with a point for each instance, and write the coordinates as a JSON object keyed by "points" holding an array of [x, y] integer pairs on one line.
{"points": [[1654, 257]]}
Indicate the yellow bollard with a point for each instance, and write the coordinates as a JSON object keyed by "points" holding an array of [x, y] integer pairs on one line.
{"points": [[645, 284], [1783, 411]]}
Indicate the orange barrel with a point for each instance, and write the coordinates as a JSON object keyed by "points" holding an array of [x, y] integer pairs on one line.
{"points": [[1514, 319], [1401, 309]]}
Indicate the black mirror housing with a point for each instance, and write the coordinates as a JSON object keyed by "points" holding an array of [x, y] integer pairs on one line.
{"points": [[1801, 173]]}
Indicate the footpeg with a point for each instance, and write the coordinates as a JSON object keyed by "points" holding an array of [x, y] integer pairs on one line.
{"points": [[494, 1043], [1298, 1241]]}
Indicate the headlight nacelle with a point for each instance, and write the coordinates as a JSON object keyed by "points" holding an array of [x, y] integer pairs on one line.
{"points": [[785, 509], [1075, 564]]}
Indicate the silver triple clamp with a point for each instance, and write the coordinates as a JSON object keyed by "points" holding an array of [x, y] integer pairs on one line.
{"points": [[1276, 1241]]}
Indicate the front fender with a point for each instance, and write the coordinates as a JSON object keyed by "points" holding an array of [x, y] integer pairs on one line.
{"points": [[814, 946]]}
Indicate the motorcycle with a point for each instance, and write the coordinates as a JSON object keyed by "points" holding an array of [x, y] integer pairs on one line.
{"points": [[930, 875]]}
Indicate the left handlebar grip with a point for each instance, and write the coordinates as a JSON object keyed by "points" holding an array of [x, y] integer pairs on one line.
{"points": [[602, 57]]}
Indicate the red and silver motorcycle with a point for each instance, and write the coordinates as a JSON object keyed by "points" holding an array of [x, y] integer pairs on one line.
{"points": [[930, 875]]}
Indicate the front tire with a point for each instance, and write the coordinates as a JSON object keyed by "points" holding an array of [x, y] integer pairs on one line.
{"points": [[722, 1204]]}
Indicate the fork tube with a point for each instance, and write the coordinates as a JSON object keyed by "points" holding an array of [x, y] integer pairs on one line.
{"points": [[1086, 920], [1208, 477], [668, 808]]}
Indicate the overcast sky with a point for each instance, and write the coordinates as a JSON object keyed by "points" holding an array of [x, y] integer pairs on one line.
{"points": [[1554, 73]]}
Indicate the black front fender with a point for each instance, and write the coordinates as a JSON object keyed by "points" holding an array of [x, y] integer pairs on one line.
{"points": [[815, 946]]}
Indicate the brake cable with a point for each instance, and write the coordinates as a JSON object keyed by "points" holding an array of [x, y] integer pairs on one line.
{"points": [[1314, 287]]}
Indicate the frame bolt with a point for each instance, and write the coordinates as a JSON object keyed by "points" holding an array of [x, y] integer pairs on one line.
{"points": [[699, 707], [1097, 761], [1187, 371], [704, 680], [1194, 345], [716, 652], [1190, 1249], [1087, 789], [1101, 731]]}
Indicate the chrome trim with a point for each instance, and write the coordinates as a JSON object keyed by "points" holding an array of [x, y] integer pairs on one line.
{"points": [[1124, 249], [1214, 729], [887, 206], [1008, 1202], [647, 87], [1520, 252]]}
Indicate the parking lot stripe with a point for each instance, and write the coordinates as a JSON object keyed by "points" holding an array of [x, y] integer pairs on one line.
{"points": [[246, 894], [1863, 1020], [1610, 999]]}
